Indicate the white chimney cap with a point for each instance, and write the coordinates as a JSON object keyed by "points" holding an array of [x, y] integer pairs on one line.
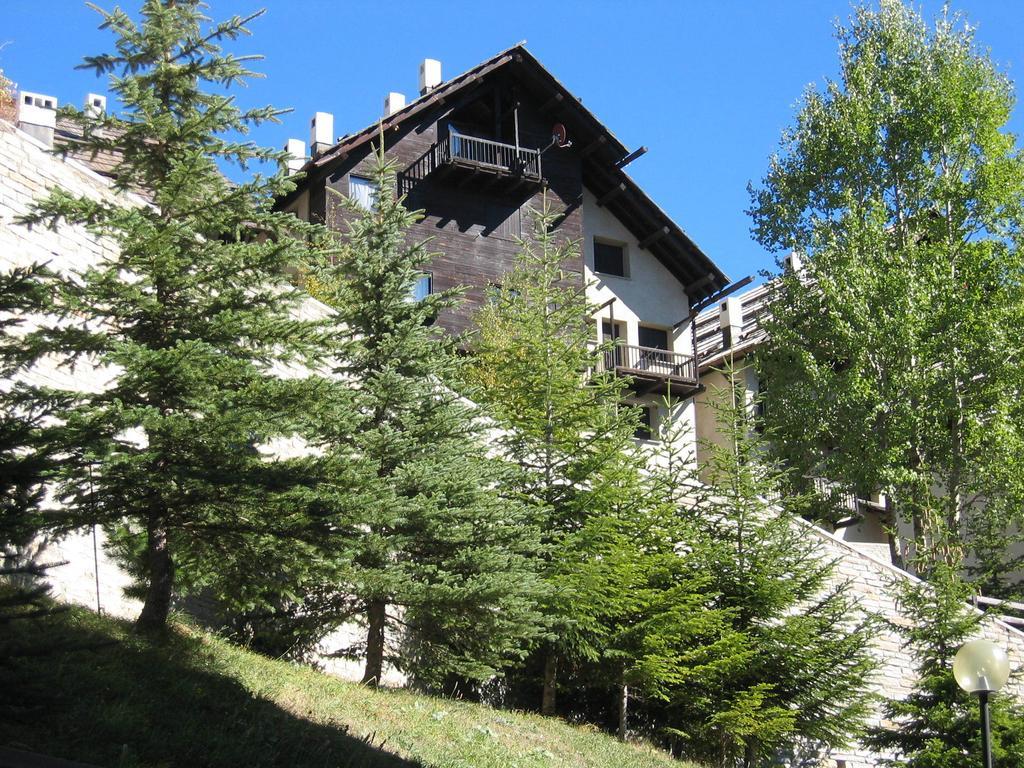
{"points": [[95, 104], [393, 102], [321, 130], [430, 75], [296, 149], [37, 109], [731, 313], [793, 262]]}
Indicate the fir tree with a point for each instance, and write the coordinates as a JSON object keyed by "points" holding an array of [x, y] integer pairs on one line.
{"points": [[189, 318], [536, 368], [793, 668], [424, 542], [938, 724], [28, 452]]}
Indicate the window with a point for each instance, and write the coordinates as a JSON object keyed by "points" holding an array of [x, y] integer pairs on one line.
{"points": [[645, 429], [362, 191], [616, 331], [497, 293], [421, 288], [609, 259], [653, 338]]}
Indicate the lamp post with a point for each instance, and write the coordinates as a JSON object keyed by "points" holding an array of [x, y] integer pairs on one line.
{"points": [[982, 667]]}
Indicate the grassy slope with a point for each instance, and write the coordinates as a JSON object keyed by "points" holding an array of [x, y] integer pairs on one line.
{"points": [[195, 700]]}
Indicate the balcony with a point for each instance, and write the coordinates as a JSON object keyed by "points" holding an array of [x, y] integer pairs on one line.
{"points": [[479, 163], [654, 370]]}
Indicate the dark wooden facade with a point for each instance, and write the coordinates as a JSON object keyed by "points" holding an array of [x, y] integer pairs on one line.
{"points": [[475, 211], [473, 220]]}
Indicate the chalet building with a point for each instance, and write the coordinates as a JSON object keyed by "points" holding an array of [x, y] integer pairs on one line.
{"points": [[480, 150]]}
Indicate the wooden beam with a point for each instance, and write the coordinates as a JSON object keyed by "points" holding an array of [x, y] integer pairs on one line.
{"points": [[654, 237], [593, 146], [696, 284], [631, 157], [720, 294], [611, 194], [555, 100]]}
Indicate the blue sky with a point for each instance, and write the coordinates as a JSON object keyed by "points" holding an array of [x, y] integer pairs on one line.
{"points": [[706, 85]]}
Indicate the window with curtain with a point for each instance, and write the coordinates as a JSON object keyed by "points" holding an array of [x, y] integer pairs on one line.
{"points": [[362, 191], [421, 288]]}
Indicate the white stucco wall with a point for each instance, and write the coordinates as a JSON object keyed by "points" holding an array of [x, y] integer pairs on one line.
{"points": [[650, 295]]}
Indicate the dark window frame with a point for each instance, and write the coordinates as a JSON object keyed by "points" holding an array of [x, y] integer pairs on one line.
{"points": [[641, 327], [621, 247], [645, 429]]}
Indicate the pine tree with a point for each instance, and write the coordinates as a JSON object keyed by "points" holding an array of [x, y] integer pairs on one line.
{"points": [[424, 541], [664, 631], [938, 724], [190, 318], [793, 667]]}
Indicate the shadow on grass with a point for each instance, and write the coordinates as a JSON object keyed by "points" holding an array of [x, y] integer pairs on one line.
{"points": [[133, 702]]}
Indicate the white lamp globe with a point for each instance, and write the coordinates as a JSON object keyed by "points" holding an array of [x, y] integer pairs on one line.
{"points": [[981, 666]]}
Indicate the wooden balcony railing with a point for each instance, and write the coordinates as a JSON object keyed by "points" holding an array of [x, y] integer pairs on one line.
{"points": [[489, 155], [470, 155], [651, 363]]}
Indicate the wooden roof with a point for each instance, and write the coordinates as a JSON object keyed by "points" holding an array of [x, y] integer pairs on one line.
{"points": [[710, 341], [601, 152]]}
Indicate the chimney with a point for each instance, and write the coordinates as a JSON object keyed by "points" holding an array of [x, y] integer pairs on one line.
{"points": [[731, 321], [793, 262], [393, 102], [321, 133], [95, 105], [296, 149], [37, 115], [430, 75]]}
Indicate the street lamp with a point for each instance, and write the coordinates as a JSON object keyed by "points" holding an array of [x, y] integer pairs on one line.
{"points": [[982, 667]]}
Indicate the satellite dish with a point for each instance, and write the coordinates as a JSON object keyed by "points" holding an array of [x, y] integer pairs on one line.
{"points": [[559, 135]]}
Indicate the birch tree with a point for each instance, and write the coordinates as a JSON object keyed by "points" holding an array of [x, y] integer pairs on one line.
{"points": [[894, 358]]}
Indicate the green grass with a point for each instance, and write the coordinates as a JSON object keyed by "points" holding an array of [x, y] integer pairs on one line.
{"points": [[196, 700]]}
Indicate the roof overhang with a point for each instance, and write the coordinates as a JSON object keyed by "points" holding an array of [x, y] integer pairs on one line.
{"points": [[601, 154]]}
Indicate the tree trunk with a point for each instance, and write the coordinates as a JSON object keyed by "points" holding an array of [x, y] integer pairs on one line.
{"points": [[547, 703], [377, 618], [157, 605], [749, 755], [623, 711]]}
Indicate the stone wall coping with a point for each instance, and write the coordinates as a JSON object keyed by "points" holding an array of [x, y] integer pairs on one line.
{"points": [[78, 166], [898, 572]]}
